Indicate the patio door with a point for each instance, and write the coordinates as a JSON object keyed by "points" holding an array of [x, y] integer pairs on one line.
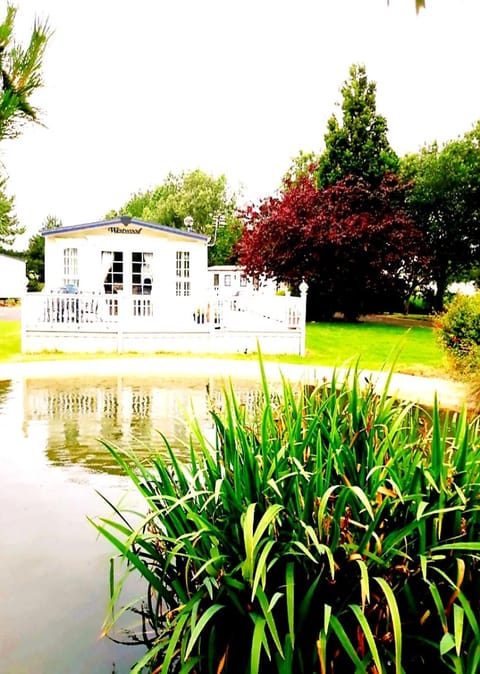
{"points": [[130, 274]]}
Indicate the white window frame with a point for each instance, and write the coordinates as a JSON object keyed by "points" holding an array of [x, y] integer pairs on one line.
{"points": [[70, 266], [182, 274]]}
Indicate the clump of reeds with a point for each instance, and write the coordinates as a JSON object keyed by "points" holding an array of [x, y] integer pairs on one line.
{"points": [[334, 530]]}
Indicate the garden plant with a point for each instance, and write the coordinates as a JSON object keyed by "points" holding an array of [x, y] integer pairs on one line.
{"points": [[325, 528], [459, 332]]}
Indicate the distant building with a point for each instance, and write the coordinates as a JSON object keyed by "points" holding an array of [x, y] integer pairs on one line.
{"points": [[13, 277], [231, 281], [463, 288]]}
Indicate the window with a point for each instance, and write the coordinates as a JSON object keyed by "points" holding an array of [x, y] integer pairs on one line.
{"points": [[113, 280], [141, 273], [216, 280], [227, 280], [70, 266], [182, 274], [243, 281]]}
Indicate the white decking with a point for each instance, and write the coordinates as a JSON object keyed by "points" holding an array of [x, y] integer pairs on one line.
{"points": [[95, 322]]}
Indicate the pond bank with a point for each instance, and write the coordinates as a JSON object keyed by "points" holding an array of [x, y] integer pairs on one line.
{"points": [[451, 394]]}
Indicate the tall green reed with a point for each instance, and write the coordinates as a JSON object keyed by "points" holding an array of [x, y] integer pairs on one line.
{"points": [[331, 529]]}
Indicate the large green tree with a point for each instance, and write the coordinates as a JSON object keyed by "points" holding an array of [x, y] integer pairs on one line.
{"points": [[356, 245], [20, 77], [358, 144], [35, 254], [195, 195], [444, 200], [9, 225], [21, 74]]}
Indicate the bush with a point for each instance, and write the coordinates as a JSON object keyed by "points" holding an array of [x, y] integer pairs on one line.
{"points": [[419, 304], [459, 332], [328, 529]]}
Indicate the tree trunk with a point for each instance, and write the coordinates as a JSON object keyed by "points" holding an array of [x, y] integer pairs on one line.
{"points": [[441, 283]]}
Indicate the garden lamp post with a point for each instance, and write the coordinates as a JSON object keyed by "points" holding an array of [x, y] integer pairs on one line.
{"points": [[218, 221]]}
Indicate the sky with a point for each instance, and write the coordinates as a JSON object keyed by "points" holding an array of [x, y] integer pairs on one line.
{"points": [[134, 90]]}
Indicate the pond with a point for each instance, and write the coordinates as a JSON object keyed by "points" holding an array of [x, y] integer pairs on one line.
{"points": [[54, 568]]}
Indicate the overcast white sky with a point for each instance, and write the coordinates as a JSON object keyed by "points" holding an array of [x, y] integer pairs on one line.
{"points": [[135, 89]]}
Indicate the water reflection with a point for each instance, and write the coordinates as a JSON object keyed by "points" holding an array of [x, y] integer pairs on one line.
{"points": [[126, 412], [53, 567], [5, 387]]}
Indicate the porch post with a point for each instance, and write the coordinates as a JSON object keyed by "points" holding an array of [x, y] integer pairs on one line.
{"points": [[121, 319], [23, 321], [303, 317]]}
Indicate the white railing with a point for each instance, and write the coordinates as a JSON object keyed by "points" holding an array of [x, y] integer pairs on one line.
{"points": [[284, 310], [152, 313], [55, 308]]}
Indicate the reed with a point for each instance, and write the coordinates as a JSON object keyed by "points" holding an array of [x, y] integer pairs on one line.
{"points": [[328, 529]]}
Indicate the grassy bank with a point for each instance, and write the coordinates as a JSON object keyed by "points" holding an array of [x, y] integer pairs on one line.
{"points": [[329, 344]]}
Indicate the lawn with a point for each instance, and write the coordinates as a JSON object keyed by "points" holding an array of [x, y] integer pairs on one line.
{"points": [[9, 340], [414, 349]]}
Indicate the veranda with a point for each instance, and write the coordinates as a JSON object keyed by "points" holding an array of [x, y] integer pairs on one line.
{"points": [[92, 322]]}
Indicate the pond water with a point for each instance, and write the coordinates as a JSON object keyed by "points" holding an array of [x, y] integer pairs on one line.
{"points": [[53, 567]]}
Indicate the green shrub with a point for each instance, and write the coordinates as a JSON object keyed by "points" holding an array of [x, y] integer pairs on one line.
{"points": [[328, 529], [419, 304], [459, 332]]}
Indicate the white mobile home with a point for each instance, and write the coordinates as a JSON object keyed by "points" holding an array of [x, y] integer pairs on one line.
{"points": [[231, 281], [129, 285], [13, 278]]}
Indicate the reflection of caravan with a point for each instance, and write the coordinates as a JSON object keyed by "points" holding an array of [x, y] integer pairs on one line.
{"points": [[231, 281]]}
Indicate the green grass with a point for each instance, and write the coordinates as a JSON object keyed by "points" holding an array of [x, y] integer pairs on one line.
{"points": [[9, 340], [330, 344], [376, 344]]}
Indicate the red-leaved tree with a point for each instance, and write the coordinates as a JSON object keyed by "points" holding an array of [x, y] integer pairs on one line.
{"points": [[353, 243]]}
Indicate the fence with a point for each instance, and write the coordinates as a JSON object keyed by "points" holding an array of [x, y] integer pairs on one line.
{"points": [[51, 315]]}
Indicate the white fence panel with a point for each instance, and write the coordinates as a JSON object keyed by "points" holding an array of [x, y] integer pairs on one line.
{"points": [[52, 320]]}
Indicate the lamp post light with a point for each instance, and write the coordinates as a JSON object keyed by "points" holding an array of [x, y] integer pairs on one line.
{"points": [[219, 220], [188, 222]]}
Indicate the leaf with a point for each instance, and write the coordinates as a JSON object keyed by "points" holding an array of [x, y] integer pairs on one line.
{"points": [[269, 619], [458, 621], [261, 567], [290, 596], [447, 642], [396, 622], [252, 538], [367, 632], [144, 570], [345, 642], [257, 642], [200, 625], [364, 583]]}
